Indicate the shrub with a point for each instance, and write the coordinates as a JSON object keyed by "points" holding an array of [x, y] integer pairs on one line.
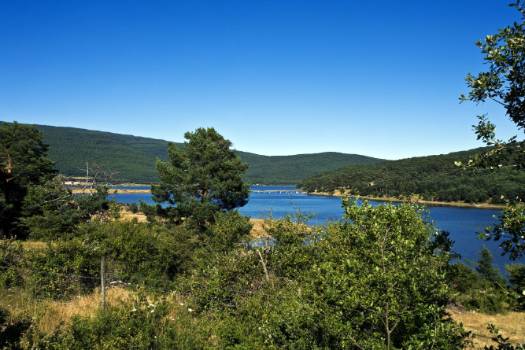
{"points": [[63, 269], [141, 325], [11, 260]]}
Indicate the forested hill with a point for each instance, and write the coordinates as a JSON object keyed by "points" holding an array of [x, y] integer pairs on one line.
{"points": [[133, 158], [432, 177]]}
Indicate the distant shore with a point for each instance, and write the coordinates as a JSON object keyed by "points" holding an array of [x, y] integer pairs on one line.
{"points": [[113, 190], [416, 200], [327, 194]]}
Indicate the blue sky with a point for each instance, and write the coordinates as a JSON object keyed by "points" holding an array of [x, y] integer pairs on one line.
{"points": [[380, 78]]}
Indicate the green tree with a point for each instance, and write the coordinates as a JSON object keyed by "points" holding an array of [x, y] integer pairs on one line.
{"points": [[200, 178], [486, 268], [517, 282], [23, 163], [503, 83], [51, 211]]}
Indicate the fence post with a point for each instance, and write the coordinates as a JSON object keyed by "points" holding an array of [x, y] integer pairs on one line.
{"points": [[102, 282]]}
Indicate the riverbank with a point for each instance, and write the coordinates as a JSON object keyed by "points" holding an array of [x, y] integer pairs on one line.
{"points": [[415, 200], [113, 190]]}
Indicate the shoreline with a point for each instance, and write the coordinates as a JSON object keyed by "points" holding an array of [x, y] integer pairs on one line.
{"points": [[335, 194], [416, 201]]}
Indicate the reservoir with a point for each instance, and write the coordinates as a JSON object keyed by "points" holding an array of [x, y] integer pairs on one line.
{"points": [[463, 224]]}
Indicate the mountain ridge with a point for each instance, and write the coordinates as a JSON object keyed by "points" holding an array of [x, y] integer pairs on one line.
{"points": [[132, 158]]}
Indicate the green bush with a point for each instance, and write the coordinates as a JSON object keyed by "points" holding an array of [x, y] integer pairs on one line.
{"points": [[11, 261], [370, 282], [136, 253], [517, 282], [63, 269], [474, 292]]}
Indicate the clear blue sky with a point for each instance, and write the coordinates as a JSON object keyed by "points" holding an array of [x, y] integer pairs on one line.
{"points": [[380, 78]]}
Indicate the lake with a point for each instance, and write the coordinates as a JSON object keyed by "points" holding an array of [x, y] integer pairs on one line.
{"points": [[279, 201]]}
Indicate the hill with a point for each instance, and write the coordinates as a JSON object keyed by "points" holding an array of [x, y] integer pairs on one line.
{"points": [[433, 178], [133, 157]]}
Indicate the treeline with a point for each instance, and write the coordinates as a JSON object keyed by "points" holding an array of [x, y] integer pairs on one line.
{"points": [[132, 159], [437, 178]]}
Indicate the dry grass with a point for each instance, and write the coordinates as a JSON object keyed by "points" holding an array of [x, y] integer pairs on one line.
{"points": [[50, 314], [33, 245], [126, 215], [511, 325], [259, 229]]}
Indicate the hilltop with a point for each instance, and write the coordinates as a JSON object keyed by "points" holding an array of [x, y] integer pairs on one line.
{"points": [[132, 158], [432, 178]]}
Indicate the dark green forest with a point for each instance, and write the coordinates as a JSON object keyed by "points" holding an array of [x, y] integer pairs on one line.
{"points": [[132, 158], [435, 178]]}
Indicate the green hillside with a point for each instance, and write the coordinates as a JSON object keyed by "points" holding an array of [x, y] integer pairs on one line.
{"points": [[431, 177], [133, 158]]}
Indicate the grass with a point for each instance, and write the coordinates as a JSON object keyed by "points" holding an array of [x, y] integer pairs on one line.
{"points": [[511, 325], [49, 314]]}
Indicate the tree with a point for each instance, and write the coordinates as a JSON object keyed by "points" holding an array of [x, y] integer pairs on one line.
{"points": [[486, 268], [51, 211], [23, 163], [200, 178], [504, 84]]}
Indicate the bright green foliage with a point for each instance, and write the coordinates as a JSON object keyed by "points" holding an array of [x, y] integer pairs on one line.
{"points": [[11, 263], [510, 229], [431, 178], [504, 83], [52, 212], [373, 282], [201, 178], [23, 163]]}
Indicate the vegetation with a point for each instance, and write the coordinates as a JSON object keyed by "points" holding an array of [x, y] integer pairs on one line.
{"points": [[379, 279], [132, 158], [200, 179], [503, 83], [434, 178], [23, 163]]}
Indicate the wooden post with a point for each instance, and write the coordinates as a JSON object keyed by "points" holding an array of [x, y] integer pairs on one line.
{"points": [[102, 282]]}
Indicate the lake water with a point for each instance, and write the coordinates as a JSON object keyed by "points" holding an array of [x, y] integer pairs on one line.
{"points": [[279, 201]]}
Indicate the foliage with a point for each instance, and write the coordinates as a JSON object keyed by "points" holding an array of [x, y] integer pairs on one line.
{"points": [[11, 260], [484, 289], [430, 178], [510, 230], [133, 158], [504, 83], [202, 178], [136, 253], [62, 270], [486, 268], [51, 211], [23, 162], [517, 282], [142, 325], [370, 282]]}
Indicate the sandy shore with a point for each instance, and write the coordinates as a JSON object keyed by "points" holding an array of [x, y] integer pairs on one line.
{"points": [[112, 190], [416, 200]]}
